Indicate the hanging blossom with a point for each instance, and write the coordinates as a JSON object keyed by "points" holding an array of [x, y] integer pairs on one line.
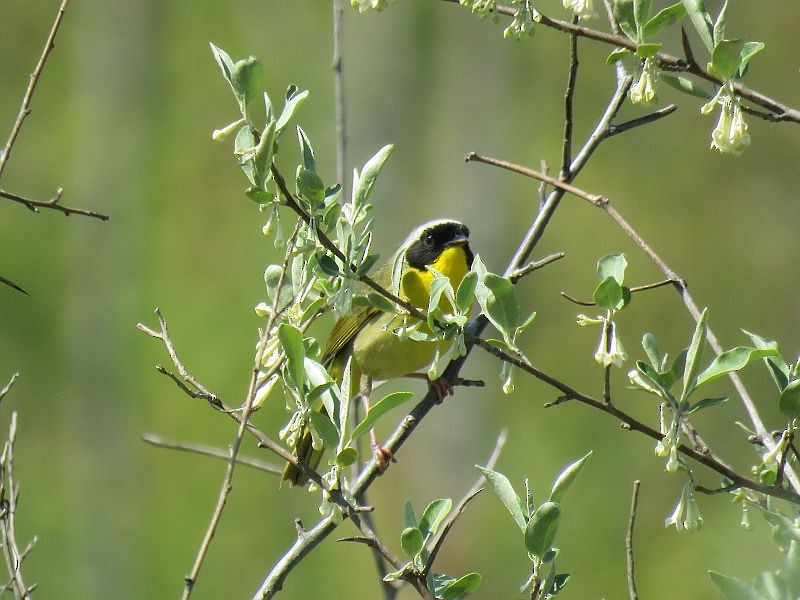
{"points": [[522, 24], [643, 91], [365, 5], [730, 135], [608, 353], [686, 516], [668, 445], [582, 8]]}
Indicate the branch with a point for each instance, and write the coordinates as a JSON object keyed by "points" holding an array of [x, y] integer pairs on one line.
{"points": [[569, 94], [629, 542], [778, 112], [53, 203]]}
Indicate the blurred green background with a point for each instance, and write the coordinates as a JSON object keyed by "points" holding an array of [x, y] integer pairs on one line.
{"points": [[122, 120]]}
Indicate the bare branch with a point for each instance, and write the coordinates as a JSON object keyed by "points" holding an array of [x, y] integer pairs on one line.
{"points": [[338, 92], [53, 203], [569, 94], [8, 386], [534, 266]]}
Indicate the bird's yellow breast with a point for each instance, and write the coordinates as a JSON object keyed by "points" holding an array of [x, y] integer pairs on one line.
{"points": [[383, 355]]}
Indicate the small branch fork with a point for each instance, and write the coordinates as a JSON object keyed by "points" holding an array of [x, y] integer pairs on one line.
{"points": [[25, 110]]}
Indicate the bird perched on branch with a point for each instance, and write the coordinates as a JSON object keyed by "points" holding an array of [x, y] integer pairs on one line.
{"points": [[366, 335]]}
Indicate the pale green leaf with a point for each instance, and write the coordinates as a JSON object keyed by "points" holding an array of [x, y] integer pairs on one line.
{"points": [[506, 493], [379, 409], [566, 478], [542, 527]]}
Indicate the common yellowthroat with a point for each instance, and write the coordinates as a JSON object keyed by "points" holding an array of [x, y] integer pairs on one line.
{"points": [[366, 335]]}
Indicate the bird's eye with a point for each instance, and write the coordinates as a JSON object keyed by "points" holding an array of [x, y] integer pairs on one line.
{"points": [[428, 239]]}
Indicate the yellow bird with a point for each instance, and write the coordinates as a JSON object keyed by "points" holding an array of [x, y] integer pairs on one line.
{"points": [[366, 335]]}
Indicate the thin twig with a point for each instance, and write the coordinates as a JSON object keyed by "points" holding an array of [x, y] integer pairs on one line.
{"points": [[12, 285], [202, 449], [645, 120], [535, 265], [53, 203], [629, 542], [569, 95], [633, 290], [25, 108], [8, 386]]}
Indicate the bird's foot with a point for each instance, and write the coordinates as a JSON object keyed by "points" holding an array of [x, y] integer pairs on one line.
{"points": [[383, 456]]}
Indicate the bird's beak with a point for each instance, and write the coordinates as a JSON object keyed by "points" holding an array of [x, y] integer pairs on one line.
{"points": [[460, 240]]}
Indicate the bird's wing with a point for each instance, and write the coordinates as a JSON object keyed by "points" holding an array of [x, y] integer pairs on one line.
{"points": [[346, 328]]}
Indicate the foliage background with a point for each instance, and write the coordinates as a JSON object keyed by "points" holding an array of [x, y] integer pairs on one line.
{"points": [[122, 121]]}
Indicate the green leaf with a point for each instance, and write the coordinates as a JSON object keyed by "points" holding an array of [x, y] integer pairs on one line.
{"points": [[381, 302], [720, 23], [651, 349], [676, 370], [647, 50], [379, 409], [749, 50], [497, 297], [246, 79], [366, 180], [726, 58], [310, 185], [664, 18], [778, 368], [526, 323], [617, 54], [623, 13], [701, 20], [409, 515], [292, 341], [706, 403], [245, 142], [320, 383], [654, 378], [293, 101], [559, 581], [367, 265], [224, 61], [687, 86], [732, 360], [789, 402], [610, 295], [348, 456], [693, 354], [306, 151], [541, 529], [641, 8], [412, 540], [459, 588], [265, 152], [325, 428], [613, 265], [566, 478], [466, 292], [733, 588], [771, 586], [328, 264], [506, 493], [434, 515]]}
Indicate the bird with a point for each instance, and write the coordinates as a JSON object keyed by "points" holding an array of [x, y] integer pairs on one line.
{"points": [[365, 336]]}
